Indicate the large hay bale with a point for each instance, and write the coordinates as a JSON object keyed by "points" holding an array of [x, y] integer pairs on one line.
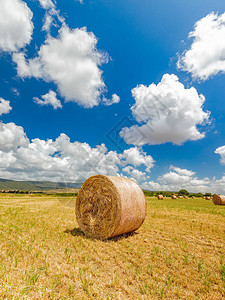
{"points": [[180, 197], [160, 197], [107, 206], [185, 197], [219, 199], [174, 197]]}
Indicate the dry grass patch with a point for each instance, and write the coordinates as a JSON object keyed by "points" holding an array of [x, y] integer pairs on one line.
{"points": [[178, 253]]}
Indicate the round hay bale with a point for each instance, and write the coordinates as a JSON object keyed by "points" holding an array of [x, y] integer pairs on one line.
{"points": [[174, 197], [219, 199], [160, 197], [107, 206], [180, 197], [185, 197], [207, 198]]}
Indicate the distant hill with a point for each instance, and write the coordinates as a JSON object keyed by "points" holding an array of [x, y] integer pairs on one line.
{"points": [[6, 184]]}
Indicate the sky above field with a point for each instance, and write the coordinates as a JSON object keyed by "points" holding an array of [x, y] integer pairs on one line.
{"points": [[128, 88]]}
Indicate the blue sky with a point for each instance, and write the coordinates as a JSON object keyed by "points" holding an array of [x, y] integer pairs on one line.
{"points": [[143, 79]]}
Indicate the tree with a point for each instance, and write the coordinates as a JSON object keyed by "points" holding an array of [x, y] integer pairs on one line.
{"points": [[183, 192], [208, 194]]}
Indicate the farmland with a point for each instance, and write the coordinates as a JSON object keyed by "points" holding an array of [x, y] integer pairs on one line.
{"points": [[178, 253]]}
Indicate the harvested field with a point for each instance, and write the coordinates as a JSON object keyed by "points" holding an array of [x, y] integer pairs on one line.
{"points": [[178, 253]]}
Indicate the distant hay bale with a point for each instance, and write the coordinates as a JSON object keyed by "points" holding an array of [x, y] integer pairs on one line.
{"points": [[203, 197], [185, 197], [207, 198], [174, 197], [219, 199], [180, 197], [160, 197], [193, 197], [107, 206]]}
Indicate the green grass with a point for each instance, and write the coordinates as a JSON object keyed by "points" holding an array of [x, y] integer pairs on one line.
{"points": [[178, 253]]}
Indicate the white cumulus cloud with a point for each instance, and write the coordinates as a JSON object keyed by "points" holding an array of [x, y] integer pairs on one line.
{"points": [[115, 99], [52, 15], [16, 25], [138, 175], [46, 4], [180, 179], [182, 171], [221, 152], [72, 62], [168, 112], [12, 137], [4, 106], [206, 56], [60, 159], [137, 157], [49, 99], [186, 179], [151, 185]]}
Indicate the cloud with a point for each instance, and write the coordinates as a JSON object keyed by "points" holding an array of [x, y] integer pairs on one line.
{"points": [[218, 186], [168, 113], [15, 92], [221, 152], [185, 179], [12, 137], [49, 99], [127, 169], [48, 21], [137, 157], [181, 179], [151, 185], [46, 4], [61, 159], [71, 61], [182, 171], [52, 15], [206, 56], [5, 107], [138, 175], [115, 99], [16, 27]]}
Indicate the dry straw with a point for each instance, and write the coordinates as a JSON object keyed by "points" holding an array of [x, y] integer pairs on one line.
{"points": [[160, 197], [219, 199], [174, 197], [107, 206]]}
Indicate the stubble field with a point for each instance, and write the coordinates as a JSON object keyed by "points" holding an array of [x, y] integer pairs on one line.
{"points": [[178, 253]]}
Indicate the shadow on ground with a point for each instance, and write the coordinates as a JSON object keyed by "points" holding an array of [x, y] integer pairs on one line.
{"points": [[78, 232]]}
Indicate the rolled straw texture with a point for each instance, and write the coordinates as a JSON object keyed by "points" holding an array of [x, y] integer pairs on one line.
{"points": [[219, 199], [107, 206]]}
